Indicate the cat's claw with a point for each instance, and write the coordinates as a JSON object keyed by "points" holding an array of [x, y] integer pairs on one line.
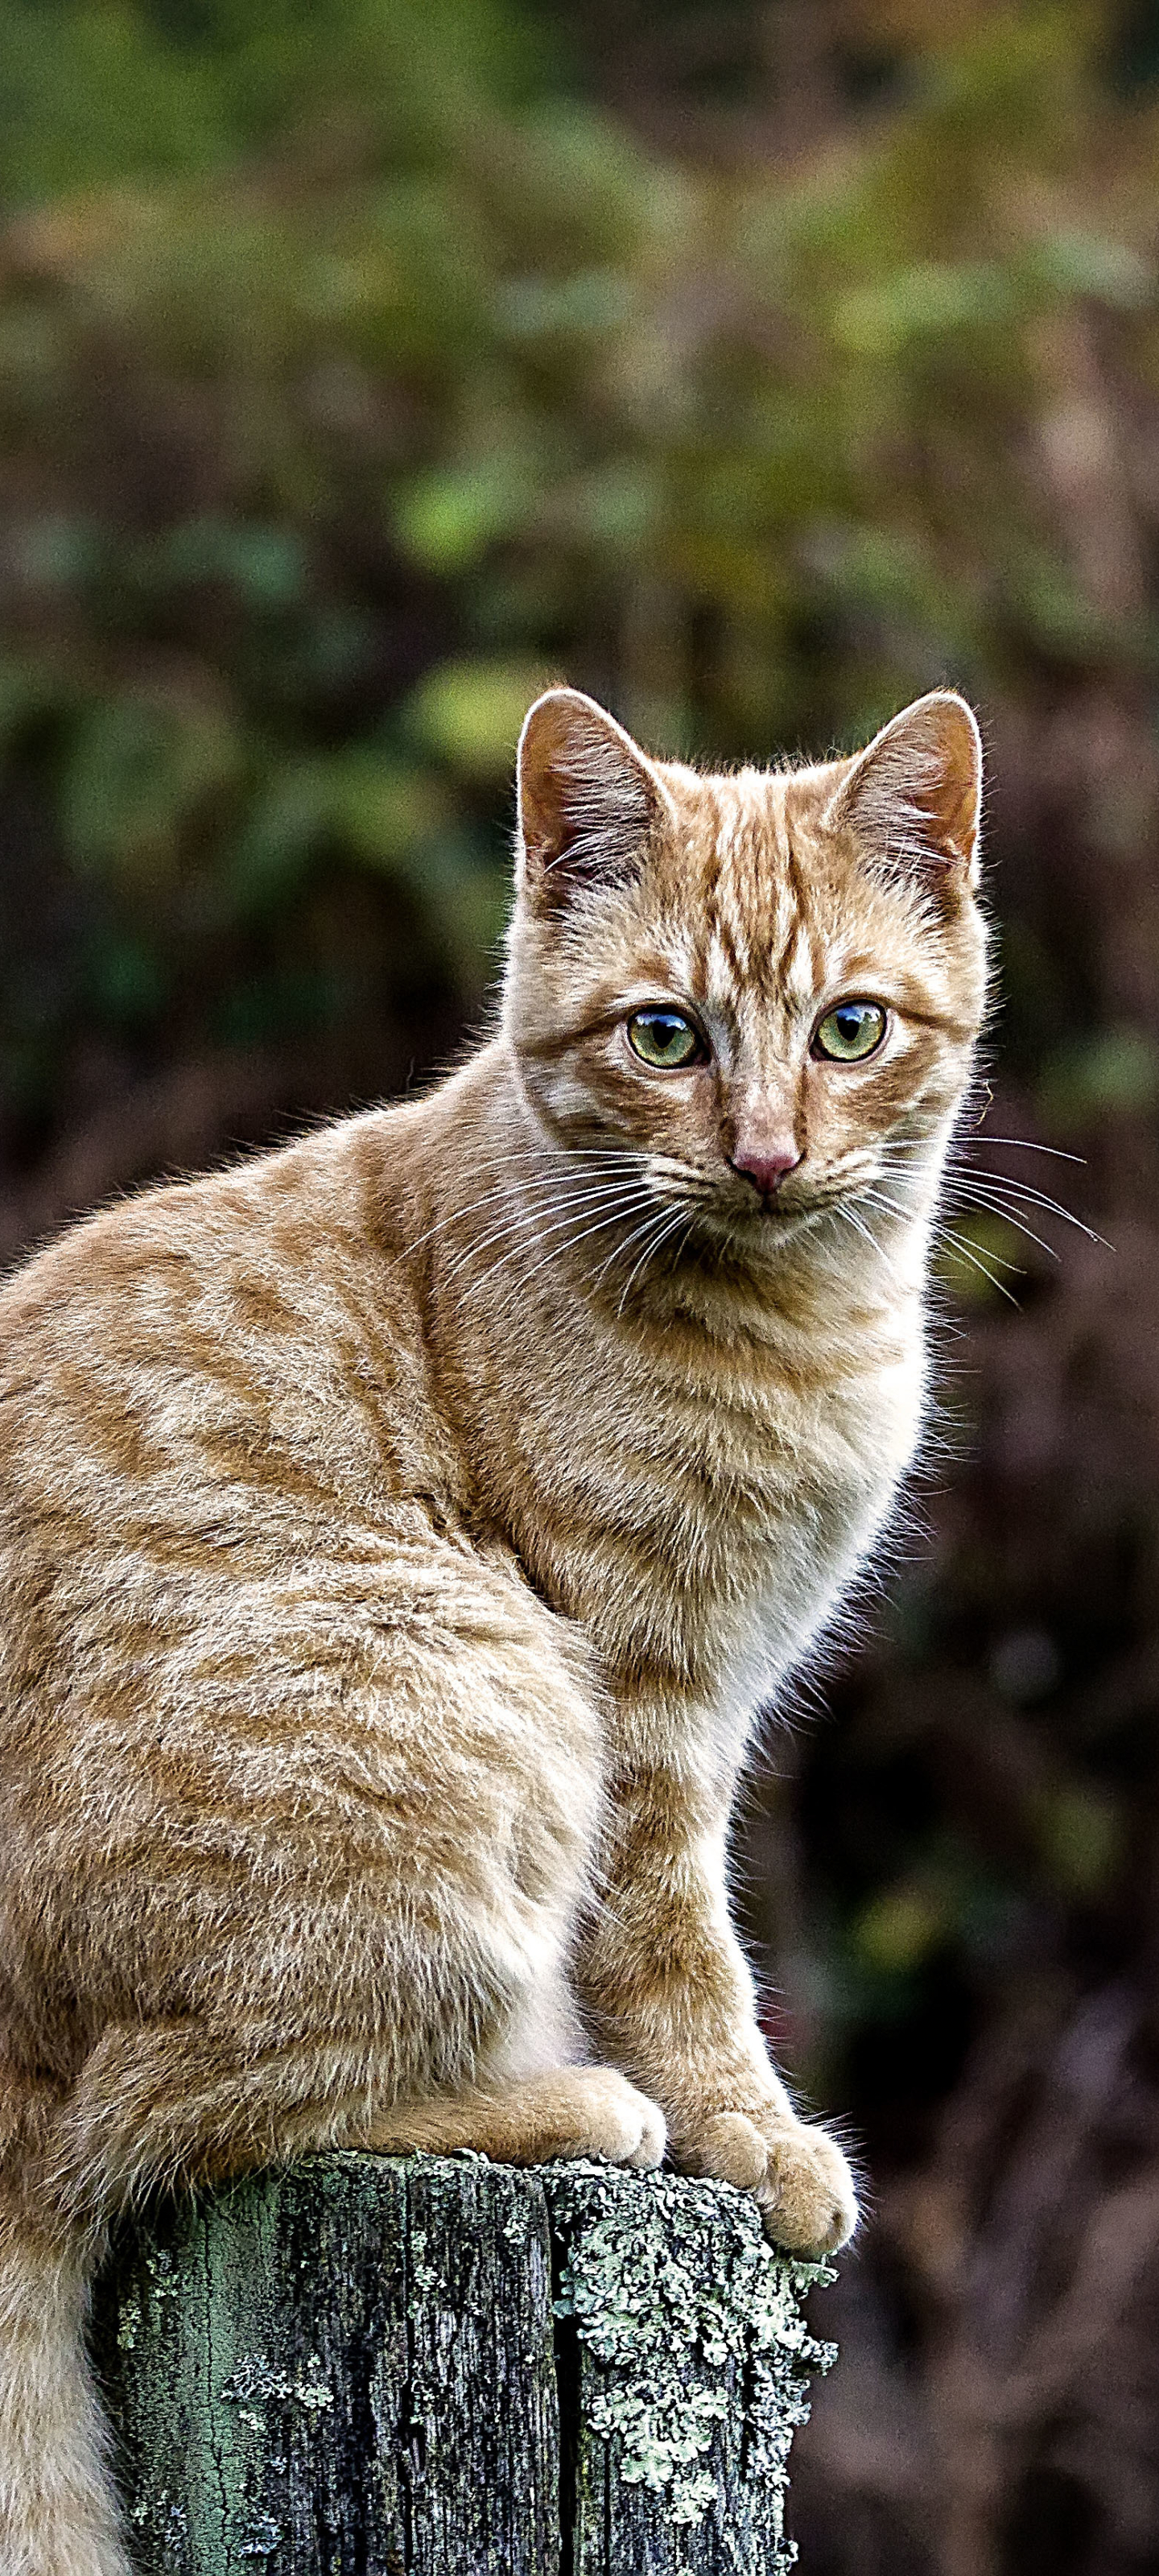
{"points": [[798, 2175]]}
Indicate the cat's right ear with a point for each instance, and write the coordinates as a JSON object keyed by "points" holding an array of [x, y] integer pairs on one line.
{"points": [[588, 800], [915, 795]]}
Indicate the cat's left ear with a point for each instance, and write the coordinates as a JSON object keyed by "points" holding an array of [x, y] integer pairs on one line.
{"points": [[914, 796], [588, 799]]}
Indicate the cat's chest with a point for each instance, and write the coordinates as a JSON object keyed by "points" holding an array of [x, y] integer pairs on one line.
{"points": [[708, 1518], [757, 1473]]}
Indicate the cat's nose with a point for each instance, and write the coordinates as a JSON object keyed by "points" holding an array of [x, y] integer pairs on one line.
{"points": [[767, 1170]]}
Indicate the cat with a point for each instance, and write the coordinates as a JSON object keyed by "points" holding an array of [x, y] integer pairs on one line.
{"points": [[400, 1531]]}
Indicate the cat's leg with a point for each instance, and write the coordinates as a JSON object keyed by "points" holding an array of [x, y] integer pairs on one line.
{"points": [[571, 2111], [667, 1989], [183, 2103], [360, 1819]]}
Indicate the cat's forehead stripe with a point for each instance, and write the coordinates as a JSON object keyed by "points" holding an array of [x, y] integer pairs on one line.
{"points": [[760, 928], [801, 967]]}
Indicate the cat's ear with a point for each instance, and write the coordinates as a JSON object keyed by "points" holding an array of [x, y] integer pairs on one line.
{"points": [[588, 798], [914, 796]]}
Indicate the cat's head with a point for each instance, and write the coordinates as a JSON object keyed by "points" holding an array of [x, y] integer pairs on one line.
{"points": [[766, 986]]}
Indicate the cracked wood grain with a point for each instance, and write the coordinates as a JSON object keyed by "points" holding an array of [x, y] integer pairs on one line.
{"points": [[368, 2366]]}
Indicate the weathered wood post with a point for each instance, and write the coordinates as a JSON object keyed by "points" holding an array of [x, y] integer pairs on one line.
{"points": [[375, 2366]]}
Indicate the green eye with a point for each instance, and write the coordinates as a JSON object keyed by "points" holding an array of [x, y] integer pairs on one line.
{"points": [[664, 1039], [850, 1032]]}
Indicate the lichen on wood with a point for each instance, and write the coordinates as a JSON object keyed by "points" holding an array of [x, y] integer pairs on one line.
{"points": [[694, 2362], [370, 2366]]}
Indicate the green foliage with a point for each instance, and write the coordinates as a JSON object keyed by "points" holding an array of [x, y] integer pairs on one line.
{"points": [[355, 381], [96, 92]]}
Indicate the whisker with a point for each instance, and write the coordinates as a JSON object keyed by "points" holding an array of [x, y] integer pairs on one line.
{"points": [[866, 1230], [613, 1162], [1024, 1144], [545, 1184], [652, 1249], [619, 1248], [670, 1218], [960, 1243], [944, 1234], [967, 1252], [561, 1157], [533, 1221], [617, 1217], [868, 1236], [1001, 1183], [962, 1179], [997, 1207]]}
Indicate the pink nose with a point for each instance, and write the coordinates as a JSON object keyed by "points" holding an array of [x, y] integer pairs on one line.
{"points": [[767, 1171]]}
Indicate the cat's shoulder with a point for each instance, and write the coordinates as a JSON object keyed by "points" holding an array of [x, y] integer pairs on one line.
{"points": [[313, 1197]]}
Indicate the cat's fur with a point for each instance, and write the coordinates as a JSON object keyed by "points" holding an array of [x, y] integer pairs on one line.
{"points": [[399, 1532]]}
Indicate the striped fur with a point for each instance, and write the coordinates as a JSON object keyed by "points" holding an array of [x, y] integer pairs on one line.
{"points": [[399, 1532]]}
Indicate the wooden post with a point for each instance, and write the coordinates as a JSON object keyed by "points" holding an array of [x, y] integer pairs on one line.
{"points": [[377, 2366]]}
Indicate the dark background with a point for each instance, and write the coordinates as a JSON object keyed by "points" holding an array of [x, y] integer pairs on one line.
{"points": [[364, 364]]}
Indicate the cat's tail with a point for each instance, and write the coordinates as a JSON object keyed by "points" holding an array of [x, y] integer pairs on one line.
{"points": [[58, 2513]]}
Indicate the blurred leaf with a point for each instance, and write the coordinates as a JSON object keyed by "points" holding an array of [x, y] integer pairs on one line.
{"points": [[286, 820], [29, 689], [470, 713], [466, 892], [934, 300], [127, 982], [267, 566], [136, 769], [1080, 1837], [383, 808], [288, 1002], [595, 300], [57, 550], [616, 507], [1114, 1072], [1076, 263], [446, 520], [900, 1927]]}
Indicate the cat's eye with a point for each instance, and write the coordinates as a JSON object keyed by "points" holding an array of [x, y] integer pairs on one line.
{"points": [[665, 1039], [851, 1032]]}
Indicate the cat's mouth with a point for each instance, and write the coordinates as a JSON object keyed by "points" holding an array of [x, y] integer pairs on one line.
{"points": [[726, 1198], [719, 1211], [801, 1192], [725, 1207], [769, 1220]]}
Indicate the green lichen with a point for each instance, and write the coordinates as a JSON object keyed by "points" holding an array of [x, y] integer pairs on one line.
{"points": [[252, 2384], [262, 2538], [689, 2324], [128, 2322], [423, 2278]]}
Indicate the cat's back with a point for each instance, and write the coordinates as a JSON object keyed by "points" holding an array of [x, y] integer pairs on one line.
{"points": [[211, 1344]]}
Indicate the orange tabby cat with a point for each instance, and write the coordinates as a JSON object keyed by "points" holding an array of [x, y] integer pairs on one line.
{"points": [[399, 1532]]}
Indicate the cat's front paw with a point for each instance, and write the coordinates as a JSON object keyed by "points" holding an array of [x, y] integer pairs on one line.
{"points": [[610, 2118], [799, 2177]]}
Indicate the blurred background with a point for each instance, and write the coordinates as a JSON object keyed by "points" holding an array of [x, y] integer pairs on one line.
{"points": [[365, 364]]}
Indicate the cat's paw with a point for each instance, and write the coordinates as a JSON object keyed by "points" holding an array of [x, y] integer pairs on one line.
{"points": [[801, 2180], [612, 2120]]}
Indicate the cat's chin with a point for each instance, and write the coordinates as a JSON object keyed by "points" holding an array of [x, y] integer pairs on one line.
{"points": [[763, 1230], [772, 1230]]}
